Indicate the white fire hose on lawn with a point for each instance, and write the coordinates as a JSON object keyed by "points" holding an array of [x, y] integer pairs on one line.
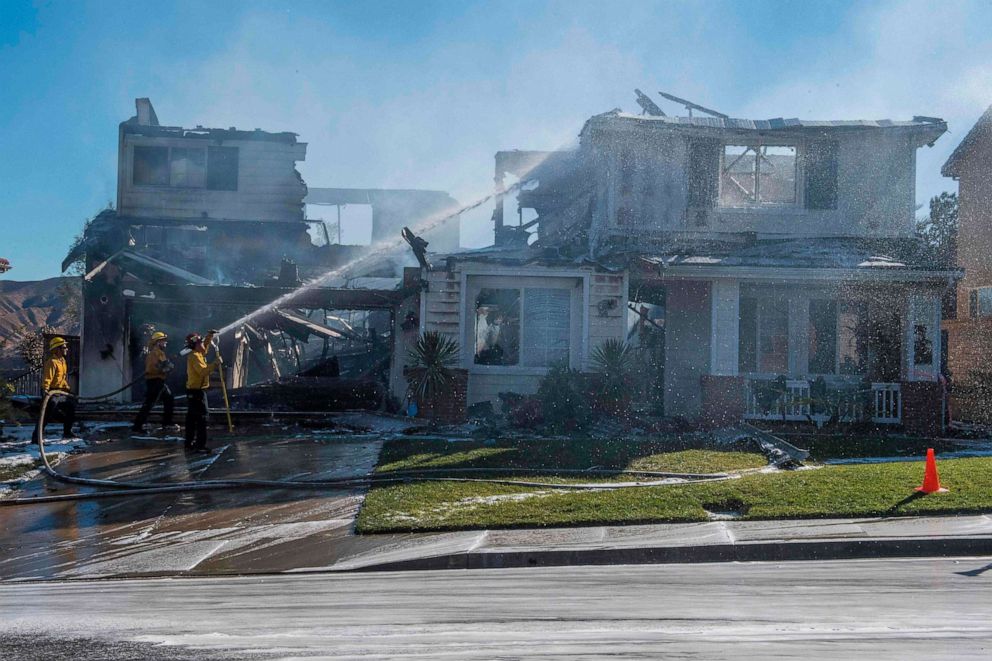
{"points": [[115, 488]]}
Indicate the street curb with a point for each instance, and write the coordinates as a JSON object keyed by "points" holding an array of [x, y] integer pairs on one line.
{"points": [[848, 549]]}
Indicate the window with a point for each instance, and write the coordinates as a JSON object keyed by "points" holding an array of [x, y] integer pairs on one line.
{"points": [[764, 335], [547, 326], [822, 336], [497, 327], [222, 168], [747, 350], [922, 346], [838, 342], [773, 337], [776, 174], [151, 166], [758, 175], [214, 168], [529, 327], [852, 340], [980, 302], [187, 167]]}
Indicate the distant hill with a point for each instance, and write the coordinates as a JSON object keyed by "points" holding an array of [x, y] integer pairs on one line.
{"points": [[32, 303]]}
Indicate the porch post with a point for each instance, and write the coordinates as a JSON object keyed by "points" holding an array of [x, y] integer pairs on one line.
{"points": [[798, 334], [922, 395], [724, 327], [723, 391]]}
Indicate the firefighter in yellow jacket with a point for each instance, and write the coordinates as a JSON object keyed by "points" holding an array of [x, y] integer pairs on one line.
{"points": [[55, 377], [157, 368], [197, 381]]}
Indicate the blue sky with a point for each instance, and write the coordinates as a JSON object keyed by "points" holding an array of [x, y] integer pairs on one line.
{"points": [[421, 94]]}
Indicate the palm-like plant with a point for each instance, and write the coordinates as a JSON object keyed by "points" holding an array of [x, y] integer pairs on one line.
{"points": [[430, 364], [614, 359]]}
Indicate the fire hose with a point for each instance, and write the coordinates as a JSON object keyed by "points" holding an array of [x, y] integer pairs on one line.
{"points": [[115, 488]]}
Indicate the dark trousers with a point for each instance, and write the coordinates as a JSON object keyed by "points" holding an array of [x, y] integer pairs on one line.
{"points": [[155, 390], [196, 418], [61, 408]]}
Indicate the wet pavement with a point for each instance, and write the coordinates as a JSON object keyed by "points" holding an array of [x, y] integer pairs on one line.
{"points": [[872, 609], [215, 532]]}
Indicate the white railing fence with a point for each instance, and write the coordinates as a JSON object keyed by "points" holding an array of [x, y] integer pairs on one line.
{"points": [[795, 404]]}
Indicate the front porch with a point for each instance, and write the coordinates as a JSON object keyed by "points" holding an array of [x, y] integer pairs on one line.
{"points": [[810, 351]]}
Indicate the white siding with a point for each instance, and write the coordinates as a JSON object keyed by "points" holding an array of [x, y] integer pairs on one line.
{"points": [[876, 191], [599, 314], [268, 186]]}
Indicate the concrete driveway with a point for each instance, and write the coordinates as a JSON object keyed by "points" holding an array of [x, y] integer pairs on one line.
{"points": [[216, 532]]}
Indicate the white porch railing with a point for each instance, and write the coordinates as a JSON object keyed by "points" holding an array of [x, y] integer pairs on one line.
{"points": [[885, 402]]}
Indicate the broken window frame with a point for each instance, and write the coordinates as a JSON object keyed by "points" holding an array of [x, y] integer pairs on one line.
{"points": [[210, 177], [755, 147], [527, 360], [163, 169], [187, 167]]}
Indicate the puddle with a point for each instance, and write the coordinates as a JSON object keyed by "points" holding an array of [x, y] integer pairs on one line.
{"points": [[728, 510]]}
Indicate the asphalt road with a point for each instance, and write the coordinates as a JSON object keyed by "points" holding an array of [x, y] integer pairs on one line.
{"points": [[878, 609]]}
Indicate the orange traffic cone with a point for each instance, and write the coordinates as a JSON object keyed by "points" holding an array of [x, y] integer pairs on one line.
{"points": [[931, 482]]}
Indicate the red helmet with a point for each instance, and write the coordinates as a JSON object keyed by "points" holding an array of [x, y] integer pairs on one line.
{"points": [[193, 339]]}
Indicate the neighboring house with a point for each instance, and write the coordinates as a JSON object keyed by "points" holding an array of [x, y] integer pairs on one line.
{"points": [[970, 332], [209, 226], [754, 249]]}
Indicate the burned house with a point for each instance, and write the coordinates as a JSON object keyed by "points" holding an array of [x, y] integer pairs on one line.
{"points": [[741, 257], [210, 231], [969, 333]]}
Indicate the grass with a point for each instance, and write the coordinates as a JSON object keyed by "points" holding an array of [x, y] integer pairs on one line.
{"points": [[642, 455], [828, 446], [8, 473], [829, 491]]}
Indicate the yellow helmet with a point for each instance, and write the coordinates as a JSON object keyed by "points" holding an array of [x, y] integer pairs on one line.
{"points": [[55, 343], [159, 335]]}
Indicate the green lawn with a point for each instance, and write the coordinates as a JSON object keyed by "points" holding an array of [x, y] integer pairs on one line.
{"points": [[829, 491], [641, 455], [15, 471]]}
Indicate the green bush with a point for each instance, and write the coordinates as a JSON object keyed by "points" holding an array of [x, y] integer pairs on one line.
{"points": [[613, 360], [564, 404]]}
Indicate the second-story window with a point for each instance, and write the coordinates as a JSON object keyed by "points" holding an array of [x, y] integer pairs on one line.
{"points": [[187, 167], [758, 174], [213, 168]]}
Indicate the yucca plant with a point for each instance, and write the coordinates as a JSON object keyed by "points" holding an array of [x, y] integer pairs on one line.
{"points": [[614, 360], [429, 371]]}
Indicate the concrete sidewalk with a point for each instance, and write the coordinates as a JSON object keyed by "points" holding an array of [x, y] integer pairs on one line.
{"points": [[714, 541]]}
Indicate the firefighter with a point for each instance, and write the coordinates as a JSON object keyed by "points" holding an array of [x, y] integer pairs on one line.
{"points": [[157, 368], [55, 376], [197, 381]]}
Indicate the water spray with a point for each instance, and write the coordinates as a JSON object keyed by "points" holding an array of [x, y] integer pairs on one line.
{"points": [[377, 252]]}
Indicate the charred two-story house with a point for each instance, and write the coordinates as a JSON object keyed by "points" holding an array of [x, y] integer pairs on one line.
{"points": [[743, 257], [210, 228]]}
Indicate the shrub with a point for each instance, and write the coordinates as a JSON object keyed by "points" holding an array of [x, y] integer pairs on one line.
{"points": [[564, 405], [429, 370], [614, 361]]}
